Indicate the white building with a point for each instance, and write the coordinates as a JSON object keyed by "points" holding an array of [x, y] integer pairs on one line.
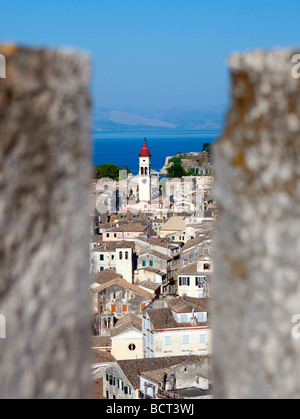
{"points": [[179, 329], [144, 174]]}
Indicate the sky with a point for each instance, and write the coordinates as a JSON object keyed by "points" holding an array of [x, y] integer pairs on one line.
{"points": [[154, 54]]}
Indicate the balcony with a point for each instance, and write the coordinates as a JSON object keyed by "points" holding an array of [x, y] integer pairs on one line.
{"points": [[168, 394]]}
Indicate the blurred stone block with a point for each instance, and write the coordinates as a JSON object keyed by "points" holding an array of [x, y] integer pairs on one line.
{"points": [[44, 223], [256, 287]]}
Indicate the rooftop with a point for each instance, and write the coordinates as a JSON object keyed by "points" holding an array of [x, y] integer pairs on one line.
{"points": [[133, 367], [175, 223]]}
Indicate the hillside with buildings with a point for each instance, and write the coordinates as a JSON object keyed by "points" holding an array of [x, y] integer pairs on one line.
{"points": [[150, 272]]}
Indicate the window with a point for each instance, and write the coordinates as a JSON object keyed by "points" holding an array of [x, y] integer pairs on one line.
{"points": [[184, 318], [143, 306], [144, 263], [101, 257], [173, 237], [206, 267], [120, 255], [184, 281], [142, 170], [113, 308], [151, 263], [101, 268], [124, 295], [202, 339], [126, 255], [107, 234], [200, 317], [185, 339], [131, 347], [124, 308], [115, 235], [200, 281], [168, 340]]}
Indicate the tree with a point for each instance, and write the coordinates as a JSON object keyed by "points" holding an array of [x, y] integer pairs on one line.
{"points": [[175, 160], [108, 170], [176, 170], [205, 146]]}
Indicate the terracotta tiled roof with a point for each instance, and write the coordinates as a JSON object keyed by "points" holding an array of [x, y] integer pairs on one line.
{"points": [[190, 269], [100, 357], [127, 285], [187, 304], [101, 342], [176, 223], [133, 367], [105, 276], [128, 322]]}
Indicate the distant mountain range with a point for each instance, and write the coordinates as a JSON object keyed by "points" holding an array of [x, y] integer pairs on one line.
{"points": [[179, 119]]}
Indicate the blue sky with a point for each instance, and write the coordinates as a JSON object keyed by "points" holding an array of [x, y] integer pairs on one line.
{"points": [[152, 54]]}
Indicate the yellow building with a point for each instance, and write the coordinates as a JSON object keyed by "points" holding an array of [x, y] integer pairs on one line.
{"points": [[127, 338], [175, 226]]}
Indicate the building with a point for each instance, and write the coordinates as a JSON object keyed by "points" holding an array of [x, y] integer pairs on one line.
{"points": [[175, 228], [127, 231], [193, 280], [190, 379], [127, 338], [115, 299], [179, 328], [144, 174], [118, 255], [122, 378]]}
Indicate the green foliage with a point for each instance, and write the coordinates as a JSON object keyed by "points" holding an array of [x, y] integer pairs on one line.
{"points": [[108, 170], [176, 171], [205, 146], [175, 160], [190, 172]]}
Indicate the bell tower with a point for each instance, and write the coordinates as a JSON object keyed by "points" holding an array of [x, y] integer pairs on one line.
{"points": [[145, 174]]}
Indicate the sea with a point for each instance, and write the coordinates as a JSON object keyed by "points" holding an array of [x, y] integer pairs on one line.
{"points": [[123, 148]]}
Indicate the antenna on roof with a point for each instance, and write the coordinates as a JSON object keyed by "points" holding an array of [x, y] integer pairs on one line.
{"points": [[145, 140]]}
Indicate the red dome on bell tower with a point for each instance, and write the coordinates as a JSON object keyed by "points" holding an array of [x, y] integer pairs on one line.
{"points": [[145, 151]]}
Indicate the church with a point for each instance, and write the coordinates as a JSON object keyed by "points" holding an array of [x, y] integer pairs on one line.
{"points": [[145, 174]]}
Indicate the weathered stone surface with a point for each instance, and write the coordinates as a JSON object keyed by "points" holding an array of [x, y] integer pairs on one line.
{"points": [[256, 288], [44, 251]]}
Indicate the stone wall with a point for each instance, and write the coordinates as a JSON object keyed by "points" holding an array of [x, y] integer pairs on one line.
{"points": [[44, 224], [256, 287]]}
